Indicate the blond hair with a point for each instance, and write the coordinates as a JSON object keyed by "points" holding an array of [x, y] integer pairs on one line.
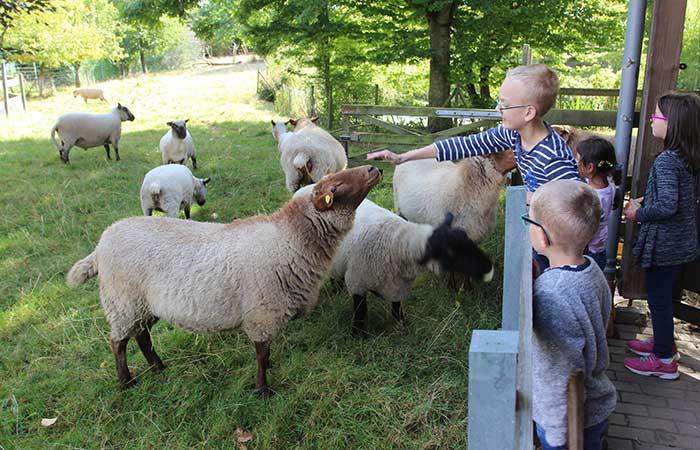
{"points": [[542, 84], [570, 212]]}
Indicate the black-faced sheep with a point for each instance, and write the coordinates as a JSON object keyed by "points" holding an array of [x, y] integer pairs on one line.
{"points": [[307, 153], [176, 146], [256, 273], [384, 254], [170, 188], [425, 190], [87, 130]]}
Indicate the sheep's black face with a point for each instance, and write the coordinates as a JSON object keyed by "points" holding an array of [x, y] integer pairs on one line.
{"points": [[455, 252], [125, 114], [200, 191], [179, 128]]}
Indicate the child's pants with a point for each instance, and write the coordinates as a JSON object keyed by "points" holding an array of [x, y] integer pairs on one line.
{"points": [[660, 282], [592, 437]]}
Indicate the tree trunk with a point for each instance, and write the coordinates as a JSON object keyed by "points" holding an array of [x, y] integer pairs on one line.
{"points": [[122, 68], [484, 90], [440, 23], [76, 67], [144, 69], [42, 79]]}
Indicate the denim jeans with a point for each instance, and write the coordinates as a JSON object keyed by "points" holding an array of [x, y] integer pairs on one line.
{"points": [[660, 282], [592, 437]]}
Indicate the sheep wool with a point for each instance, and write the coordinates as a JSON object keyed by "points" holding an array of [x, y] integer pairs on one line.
{"points": [[170, 188], [256, 273], [425, 190], [90, 93], [87, 130], [307, 153], [177, 145]]}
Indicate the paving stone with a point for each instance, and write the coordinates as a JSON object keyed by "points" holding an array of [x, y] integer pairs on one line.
{"points": [[652, 424], [677, 440], [673, 414], [631, 408], [689, 429], [648, 446], [644, 399], [663, 391], [619, 444], [619, 419], [636, 434], [626, 386], [683, 404]]}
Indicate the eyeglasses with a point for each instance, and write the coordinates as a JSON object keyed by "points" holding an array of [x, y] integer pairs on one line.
{"points": [[654, 117], [525, 220], [500, 108]]}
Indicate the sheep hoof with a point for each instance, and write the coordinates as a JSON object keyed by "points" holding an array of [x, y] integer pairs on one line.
{"points": [[360, 332], [129, 384], [264, 392]]}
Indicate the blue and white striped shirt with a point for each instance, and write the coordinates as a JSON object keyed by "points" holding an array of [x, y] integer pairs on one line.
{"points": [[551, 159]]}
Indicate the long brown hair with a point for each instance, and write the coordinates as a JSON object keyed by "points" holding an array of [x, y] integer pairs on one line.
{"points": [[683, 131]]}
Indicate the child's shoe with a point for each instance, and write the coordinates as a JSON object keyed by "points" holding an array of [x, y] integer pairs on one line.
{"points": [[646, 347], [651, 365]]}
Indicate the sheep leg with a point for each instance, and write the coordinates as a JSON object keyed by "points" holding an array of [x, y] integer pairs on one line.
{"points": [[116, 151], [107, 149], [146, 346], [359, 315], [194, 162], [119, 350], [397, 312], [262, 355], [187, 212]]}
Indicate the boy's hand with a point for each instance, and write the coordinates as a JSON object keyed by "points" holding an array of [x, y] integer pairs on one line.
{"points": [[386, 155], [631, 208]]}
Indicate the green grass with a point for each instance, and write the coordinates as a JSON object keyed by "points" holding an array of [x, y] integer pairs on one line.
{"points": [[404, 387]]}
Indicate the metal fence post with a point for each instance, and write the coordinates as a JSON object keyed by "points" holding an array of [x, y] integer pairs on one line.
{"points": [[21, 89], [5, 94]]}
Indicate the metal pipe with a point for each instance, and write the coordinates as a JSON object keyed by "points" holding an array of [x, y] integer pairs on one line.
{"points": [[625, 117]]}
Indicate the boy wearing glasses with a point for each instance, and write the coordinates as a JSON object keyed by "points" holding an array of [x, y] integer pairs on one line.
{"points": [[571, 308], [526, 95]]}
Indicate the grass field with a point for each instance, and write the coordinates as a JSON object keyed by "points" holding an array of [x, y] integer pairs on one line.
{"points": [[404, 387]]}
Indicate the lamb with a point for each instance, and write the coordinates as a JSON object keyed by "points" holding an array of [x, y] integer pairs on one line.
{"points": [[176, 146], [384, 254], [93, 93], [87, 130], [425, 190], [170, 188], [307, 153], [256, 273]]}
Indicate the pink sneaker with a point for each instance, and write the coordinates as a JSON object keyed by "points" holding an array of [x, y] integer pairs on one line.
{"points": [[651, 365], [646, 347]]}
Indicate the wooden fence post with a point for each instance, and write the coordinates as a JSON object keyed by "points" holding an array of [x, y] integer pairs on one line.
{"points": [[5, 94], [21, 90], [574, 411], [376, 94], [527, 55]]}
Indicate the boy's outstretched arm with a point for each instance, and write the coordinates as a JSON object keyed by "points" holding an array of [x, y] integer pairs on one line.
{"points": [[429, 151]]}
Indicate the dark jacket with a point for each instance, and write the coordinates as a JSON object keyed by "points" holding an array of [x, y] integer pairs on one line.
{"points": [[669, 234]]}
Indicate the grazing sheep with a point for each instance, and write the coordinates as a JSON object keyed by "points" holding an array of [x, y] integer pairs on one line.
{"points": [[176, 146], [93, 93], [307, 153], [256, 273], [87, 130], [426, 190], [170, 188], [384, 254]]}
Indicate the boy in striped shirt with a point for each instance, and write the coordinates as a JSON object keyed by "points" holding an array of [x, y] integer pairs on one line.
{"points": [[527, 93]]}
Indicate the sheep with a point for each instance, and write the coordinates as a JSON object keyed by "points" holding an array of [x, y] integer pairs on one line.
{"points": [[425, 190], [87, 130], [384, 254], [307, 153], [256, 273], [171, 187], [93, 93], [176, 146]]}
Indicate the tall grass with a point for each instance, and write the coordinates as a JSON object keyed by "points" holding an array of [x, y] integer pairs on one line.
{"points": [[403, 387]]}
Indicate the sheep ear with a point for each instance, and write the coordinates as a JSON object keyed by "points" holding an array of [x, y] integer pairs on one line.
{"points": [[119, 105], [323, 200], [206, 181], [272, 122], [293, 122], [170, 124], [314, 119], [449, 217], [187, 120]]}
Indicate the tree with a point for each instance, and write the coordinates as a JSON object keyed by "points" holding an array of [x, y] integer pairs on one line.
{"points": [[11, 9], [215, 23], [71, 33]]}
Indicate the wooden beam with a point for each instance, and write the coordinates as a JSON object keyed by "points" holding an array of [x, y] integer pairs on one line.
{"points": [[663, 60], [388, 126], [456, 131]]}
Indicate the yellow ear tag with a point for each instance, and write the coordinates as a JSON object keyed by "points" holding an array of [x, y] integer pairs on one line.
{"points": [[328, 199]]}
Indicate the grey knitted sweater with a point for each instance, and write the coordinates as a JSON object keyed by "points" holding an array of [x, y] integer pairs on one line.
{"points": [[668, 235], [571, 308]]}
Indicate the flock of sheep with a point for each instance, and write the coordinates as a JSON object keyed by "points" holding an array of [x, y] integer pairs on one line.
{"points": [[260, 272]]}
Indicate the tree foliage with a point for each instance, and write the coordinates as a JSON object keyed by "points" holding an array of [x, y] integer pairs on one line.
{"points": [[11, 9]]}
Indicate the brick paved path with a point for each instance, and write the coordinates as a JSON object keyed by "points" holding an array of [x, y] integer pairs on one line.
{"points": [[655, 414]]}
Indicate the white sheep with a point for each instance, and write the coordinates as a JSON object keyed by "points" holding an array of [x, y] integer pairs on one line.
{"points": [[307, 153], [170, 188], [176, 146], [92, 93], [426, 190], [384, 254], [87, 130], [256, 273]]}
